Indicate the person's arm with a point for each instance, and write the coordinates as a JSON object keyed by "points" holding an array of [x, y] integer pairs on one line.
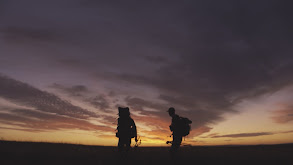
{"points": [[171, 127]]}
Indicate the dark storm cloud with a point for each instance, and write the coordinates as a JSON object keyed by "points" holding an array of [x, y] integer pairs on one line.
{"points": [[156, 59], [2, 4], [128, 78], [71, 62], [140, 104], [179, 101], [232, 51], [24, 94], [24, 34]]}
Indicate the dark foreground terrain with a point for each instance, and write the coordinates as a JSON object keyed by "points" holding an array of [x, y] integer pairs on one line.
{"points": [[27, 153]]}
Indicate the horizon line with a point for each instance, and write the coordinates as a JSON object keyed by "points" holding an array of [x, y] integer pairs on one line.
{"points": [[68, 143]]}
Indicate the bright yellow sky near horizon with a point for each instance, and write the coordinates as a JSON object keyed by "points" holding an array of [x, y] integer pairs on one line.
{"points": [[255, 116]]}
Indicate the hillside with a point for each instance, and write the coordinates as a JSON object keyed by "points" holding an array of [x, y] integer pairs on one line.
{"points": [[22, 153]]}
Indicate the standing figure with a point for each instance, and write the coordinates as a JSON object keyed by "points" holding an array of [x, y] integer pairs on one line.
{"points": [[175, 128], [126, 129]]}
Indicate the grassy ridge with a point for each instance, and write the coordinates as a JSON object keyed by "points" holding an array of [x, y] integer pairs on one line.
{"points": [[22, 153]]}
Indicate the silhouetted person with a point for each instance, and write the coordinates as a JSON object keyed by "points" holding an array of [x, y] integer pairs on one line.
{"points": [[175, 128], [126, 129]]}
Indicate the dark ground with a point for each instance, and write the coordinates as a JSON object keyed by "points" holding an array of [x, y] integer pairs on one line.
{"points": [[28, 153]]}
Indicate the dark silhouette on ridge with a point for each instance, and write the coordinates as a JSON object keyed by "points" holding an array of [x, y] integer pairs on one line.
{"points": [[126, 129], [179, 127]]}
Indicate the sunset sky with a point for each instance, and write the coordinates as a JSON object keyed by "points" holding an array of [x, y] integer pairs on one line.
{"points": [[66, 66]]}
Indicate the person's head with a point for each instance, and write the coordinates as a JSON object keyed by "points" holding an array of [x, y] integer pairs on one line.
{"points": [[171, 111], [123, 112]]}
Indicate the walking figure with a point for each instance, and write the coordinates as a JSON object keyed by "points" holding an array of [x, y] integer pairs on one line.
{"points": [[126, 130], [179, 127]]}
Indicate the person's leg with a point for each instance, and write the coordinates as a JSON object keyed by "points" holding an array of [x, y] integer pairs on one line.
{"points": [[176, 143], [179, 140], [127, 143], [120, 145], [122, 149], [174, 148]]}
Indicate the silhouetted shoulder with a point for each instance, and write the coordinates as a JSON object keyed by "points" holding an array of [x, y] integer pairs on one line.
{"points": [[175, 118]]}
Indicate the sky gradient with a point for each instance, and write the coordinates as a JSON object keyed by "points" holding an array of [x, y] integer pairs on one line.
{"points": [[66, 66]]}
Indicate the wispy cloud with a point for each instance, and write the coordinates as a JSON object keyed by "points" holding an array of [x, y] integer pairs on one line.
{"points": [[243, 135], [75, 90], [24, 94], [239, 135], [99, 101], [284, 115], [35, 121], [47, 113]]}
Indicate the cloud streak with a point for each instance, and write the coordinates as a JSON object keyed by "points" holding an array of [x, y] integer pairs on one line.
{"points": [[76, 90], [240, 135], [283, 116], [47, 112], [24, 94], [35, 121], [82, 92]]}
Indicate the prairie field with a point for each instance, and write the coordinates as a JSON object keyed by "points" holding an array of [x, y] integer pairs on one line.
{"points": [[30, 153]]}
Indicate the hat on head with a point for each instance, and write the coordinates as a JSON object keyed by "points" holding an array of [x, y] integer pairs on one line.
{"points": [[171, 109]]}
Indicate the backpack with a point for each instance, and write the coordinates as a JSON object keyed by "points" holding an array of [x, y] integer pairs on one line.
{"points": [[184, 125], [133, 132]]}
